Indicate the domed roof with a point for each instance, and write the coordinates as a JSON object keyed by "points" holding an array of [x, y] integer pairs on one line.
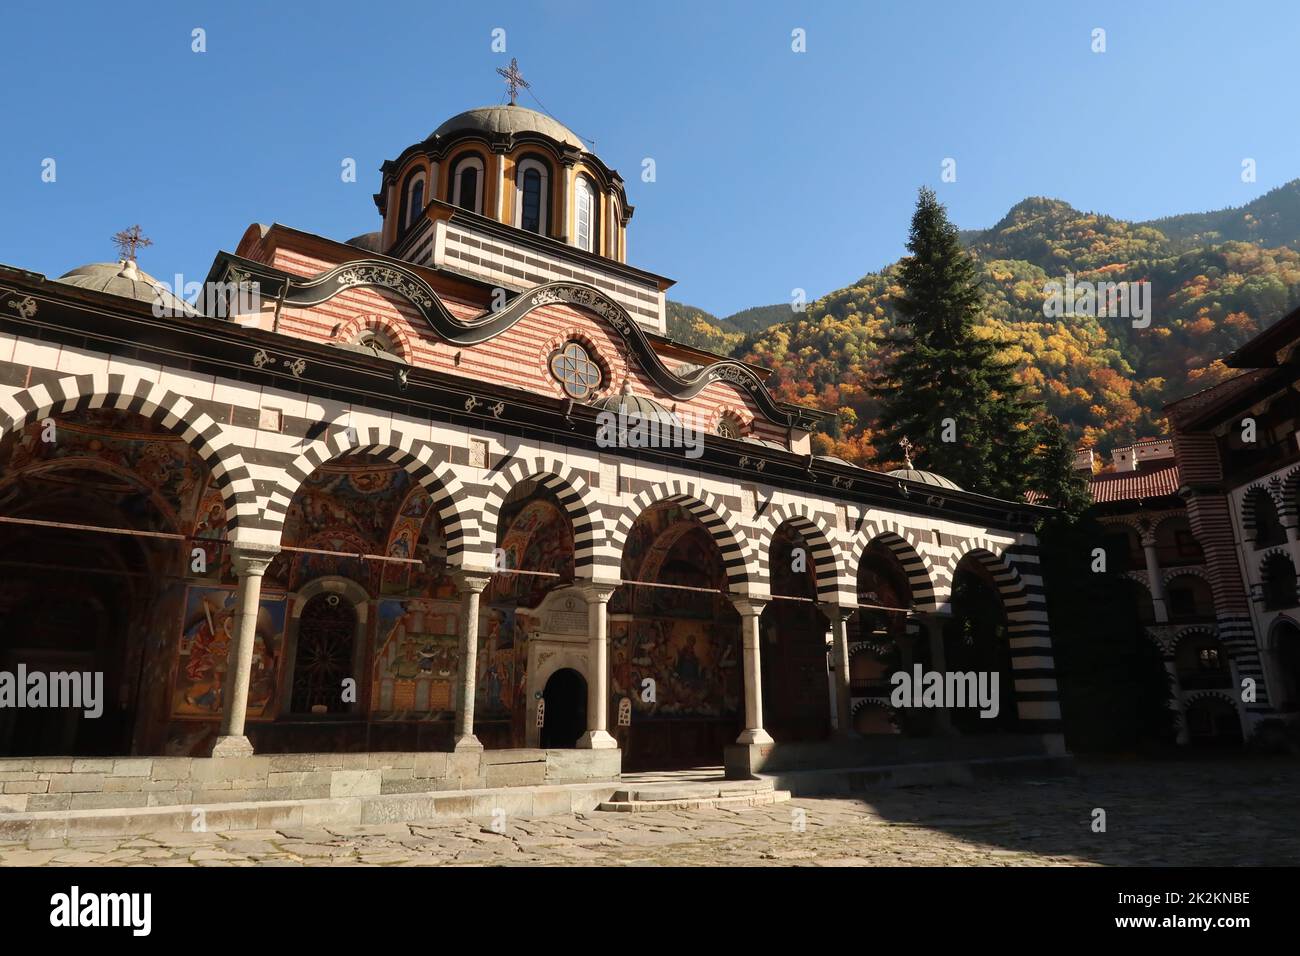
{"points": [[124, 278], [510, 120], [630, 405], [925, 478]]}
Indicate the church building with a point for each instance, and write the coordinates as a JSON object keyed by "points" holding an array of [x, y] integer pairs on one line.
{"points": [[449, 486]]}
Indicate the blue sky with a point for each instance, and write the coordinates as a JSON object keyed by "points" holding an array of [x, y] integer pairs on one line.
{"points": [[775, 170]]}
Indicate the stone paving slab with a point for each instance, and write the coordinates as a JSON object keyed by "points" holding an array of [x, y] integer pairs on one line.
{"points": [[1224, 812]]}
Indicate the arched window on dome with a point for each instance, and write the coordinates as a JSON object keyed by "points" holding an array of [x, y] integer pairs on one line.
{"points": [[412, 200], [611, 242], [532, 187], [586, 215], [466, 183]]}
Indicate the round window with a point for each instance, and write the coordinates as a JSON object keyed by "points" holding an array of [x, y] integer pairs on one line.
{"points": [[575, 370]]}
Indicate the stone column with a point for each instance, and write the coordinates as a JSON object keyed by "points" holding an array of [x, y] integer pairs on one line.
{"points": [[839, 618], [1153, 576], [1176, 699], [750, 611], [249, 564], [597, 736], [933, 625], [471, 586]]}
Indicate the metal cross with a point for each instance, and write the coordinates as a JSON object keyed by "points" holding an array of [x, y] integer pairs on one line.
{"points": [[514, 79], [907, 450], [128, 240]]}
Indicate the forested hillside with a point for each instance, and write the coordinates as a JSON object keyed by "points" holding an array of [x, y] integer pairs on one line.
{"points": [[1216, 279]]}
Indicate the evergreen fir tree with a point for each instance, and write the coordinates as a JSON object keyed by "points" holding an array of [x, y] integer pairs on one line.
{"points": [[944, 369], [1053, 473]]}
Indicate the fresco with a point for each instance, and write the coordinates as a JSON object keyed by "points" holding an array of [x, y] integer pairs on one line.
{"points": [[207, 631], [538, 537], [417, 666], [159, 459], [695, 665]]}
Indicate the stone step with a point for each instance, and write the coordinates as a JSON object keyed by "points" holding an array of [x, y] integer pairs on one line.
{"points": [[760, 793], [486, 803], [690, 791]]}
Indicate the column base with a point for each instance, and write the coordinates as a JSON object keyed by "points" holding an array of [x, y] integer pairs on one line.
{"points": [[239, 746], [467, 743], [753, 736], [597, 740]]}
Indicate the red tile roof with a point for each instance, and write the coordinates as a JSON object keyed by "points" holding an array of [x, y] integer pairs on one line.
{"points": [[1147, 482]]}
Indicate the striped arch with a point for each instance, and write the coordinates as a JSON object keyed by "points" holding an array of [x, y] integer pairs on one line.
{"points": [[712, 513], [348, 332], [443, 486], [1140, 577], [132, 393], [1248, 499], [592, 551], [833, 582], [1028, 631], [1192, 572], [1290, 495], [1209, 630], [917, 566]]}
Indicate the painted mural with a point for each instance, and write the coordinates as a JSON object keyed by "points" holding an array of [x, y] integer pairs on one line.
{"points": [[417, 665], [695, 666], [160, 477], [208, 628]]}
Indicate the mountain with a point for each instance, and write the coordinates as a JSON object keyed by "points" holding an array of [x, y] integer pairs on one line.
{"points": [[702, 329], [1214, 280]]}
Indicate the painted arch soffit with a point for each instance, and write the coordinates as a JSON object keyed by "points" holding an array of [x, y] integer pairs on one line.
{"points": [[305, 293]]}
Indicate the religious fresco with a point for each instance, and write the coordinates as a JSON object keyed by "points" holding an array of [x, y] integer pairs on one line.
{"points": [[538, 536], [695, 666], [417, 666], [502, 662], [207, 630], [127, 443], [209, 528], [348, 506]]}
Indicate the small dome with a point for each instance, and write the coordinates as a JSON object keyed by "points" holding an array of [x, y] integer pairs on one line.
{"points": [[925, 478], [631, 405], [508, 120], [124, 278], [369, 241]]}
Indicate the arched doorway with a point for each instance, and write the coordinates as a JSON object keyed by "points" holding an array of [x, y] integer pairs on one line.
{"points": [[93, 606], [324, 655], [796, 685], [565, 714], [1286, 654], [976, 641], [885, 644], [675, 652]]}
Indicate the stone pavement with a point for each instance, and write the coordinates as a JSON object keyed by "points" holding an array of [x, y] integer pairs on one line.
{"points": [[1211, 812]]}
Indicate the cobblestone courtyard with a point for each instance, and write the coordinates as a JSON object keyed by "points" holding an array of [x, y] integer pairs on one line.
{"points": [[1228, 812]]}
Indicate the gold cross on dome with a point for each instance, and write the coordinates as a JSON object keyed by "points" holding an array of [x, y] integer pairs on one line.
{"points": [[128, 240], [514, 79], [907, 447]]}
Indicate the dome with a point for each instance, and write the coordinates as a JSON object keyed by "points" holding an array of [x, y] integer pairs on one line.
{"points": [[508, 120], [925, 478], [124, 278], [369, 241], [630, 405]]}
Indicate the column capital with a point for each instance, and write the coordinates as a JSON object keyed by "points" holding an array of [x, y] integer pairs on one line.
{"points": [[596, 590], [252, 560], [467, 580], [835, 613], [748, 606]]}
